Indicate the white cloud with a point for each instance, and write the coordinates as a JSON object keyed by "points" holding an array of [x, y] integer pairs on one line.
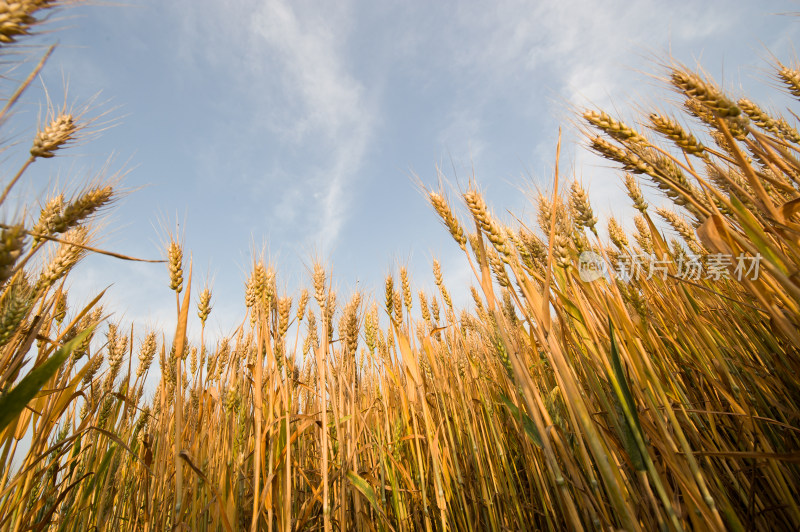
{"points": [[312, 65], [586, 46], [580, 54], [310, 46], [291, 65]]}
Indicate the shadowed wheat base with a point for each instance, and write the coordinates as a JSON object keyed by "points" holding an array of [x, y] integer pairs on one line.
{"points": [[554, 403]]}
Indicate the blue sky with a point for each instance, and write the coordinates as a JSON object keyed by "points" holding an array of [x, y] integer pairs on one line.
{"points": [[299, 127]]}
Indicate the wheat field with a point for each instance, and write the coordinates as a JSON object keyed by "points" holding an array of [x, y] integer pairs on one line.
{"points": [[659, 390]]}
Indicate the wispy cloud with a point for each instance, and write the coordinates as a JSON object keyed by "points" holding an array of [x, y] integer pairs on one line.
{"points": [[310, 46], [564, 38], [291, 65], [552, 58]]}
